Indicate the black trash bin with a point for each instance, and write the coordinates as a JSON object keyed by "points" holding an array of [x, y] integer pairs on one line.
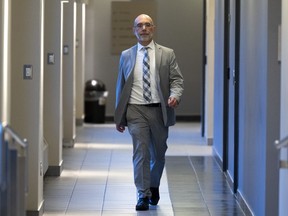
{"points": [[95, 101]]}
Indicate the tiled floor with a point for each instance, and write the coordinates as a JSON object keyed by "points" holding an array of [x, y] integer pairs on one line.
{"points": [[197, 187], [97, 177]]}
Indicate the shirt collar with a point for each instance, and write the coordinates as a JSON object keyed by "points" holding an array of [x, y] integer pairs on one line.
{"points": [[151, 45]]}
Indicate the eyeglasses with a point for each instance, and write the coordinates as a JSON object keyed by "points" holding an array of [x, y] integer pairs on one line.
{"points": [[140, 25]]}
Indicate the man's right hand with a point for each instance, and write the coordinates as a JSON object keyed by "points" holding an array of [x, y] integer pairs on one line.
{"points": [[120, 128]]}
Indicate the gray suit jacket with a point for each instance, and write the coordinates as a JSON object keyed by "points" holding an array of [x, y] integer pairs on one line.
{"points": [[168, 78]]}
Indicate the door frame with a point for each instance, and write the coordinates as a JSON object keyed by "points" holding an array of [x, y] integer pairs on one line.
{"points": [[226, 78], [204, 63], [237, 94]]}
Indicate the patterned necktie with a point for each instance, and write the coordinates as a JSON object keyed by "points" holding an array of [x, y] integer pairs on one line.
{"points": [[146, 77]]}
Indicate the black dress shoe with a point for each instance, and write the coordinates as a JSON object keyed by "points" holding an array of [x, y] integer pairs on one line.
{"points": [[155, 196], [142, 204]]}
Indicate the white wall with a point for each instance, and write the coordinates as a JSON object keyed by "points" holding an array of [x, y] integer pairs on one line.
{"points": [[80, 62], [69, 77], [209, 82], [27, 94], [53, 108], [259, 105], [283, 188], [4, 60], [2, 78]]}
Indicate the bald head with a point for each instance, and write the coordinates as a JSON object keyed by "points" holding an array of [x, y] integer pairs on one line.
{"points": [[141, 17]]}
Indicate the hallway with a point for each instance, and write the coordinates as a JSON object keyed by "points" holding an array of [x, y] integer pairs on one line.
{"points": [[97, 177]]}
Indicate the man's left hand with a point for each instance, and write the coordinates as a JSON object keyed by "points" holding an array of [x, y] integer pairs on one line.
{"points": [[172, 102]]}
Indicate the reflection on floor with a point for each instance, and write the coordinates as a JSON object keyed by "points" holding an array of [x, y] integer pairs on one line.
{"points": [[97, 177], [198, 187]]}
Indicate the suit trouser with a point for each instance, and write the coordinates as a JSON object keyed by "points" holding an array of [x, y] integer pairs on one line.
{"points": [[149, 137]]}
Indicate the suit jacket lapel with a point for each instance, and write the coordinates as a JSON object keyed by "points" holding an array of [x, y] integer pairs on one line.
{"points": [[158, 55], [133, 58], [130, 60]]}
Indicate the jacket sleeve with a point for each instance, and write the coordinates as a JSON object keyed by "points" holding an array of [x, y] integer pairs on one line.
{"points": [[176, 79], [120, 81]]}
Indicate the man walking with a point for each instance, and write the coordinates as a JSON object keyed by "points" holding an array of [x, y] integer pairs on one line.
{"points": [[149, 88]]}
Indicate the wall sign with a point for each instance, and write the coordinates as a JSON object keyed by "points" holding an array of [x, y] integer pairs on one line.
{"points": [[123, 15]]}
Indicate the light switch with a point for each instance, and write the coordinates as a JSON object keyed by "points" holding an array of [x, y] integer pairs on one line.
{"points": [[51, 58], [27, 72], [65, 49]]}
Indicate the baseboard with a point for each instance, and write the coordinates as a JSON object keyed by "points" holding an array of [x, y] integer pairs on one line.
{"points": [[79, 122], [109, 119], [38, 212], [229, 181], [243, 204], [209, 141], [219, 161], [188, 118], [68, 143], [54, 170], [217, 158]]}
